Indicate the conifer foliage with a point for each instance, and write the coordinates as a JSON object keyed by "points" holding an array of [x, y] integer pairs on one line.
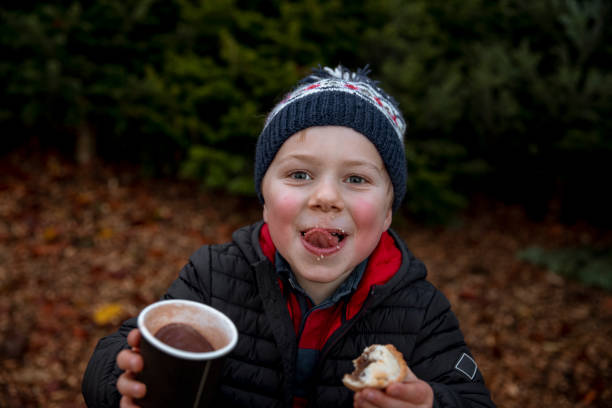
{"points": [[509, 98]]}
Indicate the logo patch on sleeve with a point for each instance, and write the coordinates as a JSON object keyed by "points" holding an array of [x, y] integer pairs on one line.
{"points": [[467, 366]]}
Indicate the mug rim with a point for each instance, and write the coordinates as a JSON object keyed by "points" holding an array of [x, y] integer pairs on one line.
{"points": [[188, 355]]}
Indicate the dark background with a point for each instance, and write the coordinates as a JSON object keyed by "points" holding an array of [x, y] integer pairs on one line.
{"points": [[127, 138], [508, 98]]}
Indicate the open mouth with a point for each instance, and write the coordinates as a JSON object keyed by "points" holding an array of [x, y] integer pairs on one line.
{"points": [[323, 238], [339, 235]]}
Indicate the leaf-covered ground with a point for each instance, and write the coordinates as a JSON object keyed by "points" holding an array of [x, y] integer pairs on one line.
{"points": [[83, 249]]}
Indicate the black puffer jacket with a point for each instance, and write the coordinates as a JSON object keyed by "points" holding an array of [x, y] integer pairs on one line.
{"points": [[238, 279]]}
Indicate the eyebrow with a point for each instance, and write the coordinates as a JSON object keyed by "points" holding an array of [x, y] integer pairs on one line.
{"points": [[348, 163], [359, 163]]}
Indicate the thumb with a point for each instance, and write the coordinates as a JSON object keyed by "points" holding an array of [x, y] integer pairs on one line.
{"points": [[409, 375], [133, 338], [414, 391]]}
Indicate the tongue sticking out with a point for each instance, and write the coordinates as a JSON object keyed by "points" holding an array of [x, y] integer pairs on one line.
{"points": [[321, 238]]}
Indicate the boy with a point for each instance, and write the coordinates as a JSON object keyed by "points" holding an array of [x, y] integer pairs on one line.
{"points": [[323, 276]]}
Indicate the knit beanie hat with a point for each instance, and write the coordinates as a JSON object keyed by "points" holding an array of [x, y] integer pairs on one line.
{"points": [[338, 97]]}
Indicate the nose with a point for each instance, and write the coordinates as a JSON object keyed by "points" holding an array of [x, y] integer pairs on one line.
{"points": [[326, 196]]}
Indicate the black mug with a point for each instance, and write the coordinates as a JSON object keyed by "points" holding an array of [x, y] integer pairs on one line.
{"points": [[175, 377]]}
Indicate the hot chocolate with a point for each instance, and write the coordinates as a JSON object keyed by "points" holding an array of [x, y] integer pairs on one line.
{"points": [[184, 337]]}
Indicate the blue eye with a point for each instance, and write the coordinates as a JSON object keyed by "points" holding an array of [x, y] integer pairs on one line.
{"points": [[355, 179], [300, 175]]}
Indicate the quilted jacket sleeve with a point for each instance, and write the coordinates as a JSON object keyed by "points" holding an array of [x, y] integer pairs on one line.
{"points": [[100, 378], [442, 358]]}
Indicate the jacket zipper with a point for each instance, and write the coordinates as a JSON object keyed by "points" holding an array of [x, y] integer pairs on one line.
{"points": [[337, 336]]}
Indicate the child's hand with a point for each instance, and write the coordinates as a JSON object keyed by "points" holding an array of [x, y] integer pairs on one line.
{"points": [[130, 361], [410, 393]]}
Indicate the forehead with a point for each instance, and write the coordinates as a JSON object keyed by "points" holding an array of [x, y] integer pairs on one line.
{"points": [[332, 142]]}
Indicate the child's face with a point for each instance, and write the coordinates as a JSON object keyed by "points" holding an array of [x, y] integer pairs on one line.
{"points": [[327, 201]]}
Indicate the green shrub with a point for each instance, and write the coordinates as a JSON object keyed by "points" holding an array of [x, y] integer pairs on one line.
{"points": [[510, 98], [524, 87], [592, 267], [218, 169]]}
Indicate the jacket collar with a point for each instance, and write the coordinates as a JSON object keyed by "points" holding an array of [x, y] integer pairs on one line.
{"points": [[383, 263], [346, 288], [256, 245]]}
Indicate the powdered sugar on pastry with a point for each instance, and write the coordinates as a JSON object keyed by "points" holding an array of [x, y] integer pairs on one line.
{"points": [[377, 367]]}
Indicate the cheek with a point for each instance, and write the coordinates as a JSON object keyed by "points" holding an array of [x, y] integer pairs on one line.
{"points": [[369, 218], [280, 215], [367, 215], [283, 208]]}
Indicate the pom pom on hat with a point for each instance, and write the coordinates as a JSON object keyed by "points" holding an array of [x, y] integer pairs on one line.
{"points": [[338, 97]]}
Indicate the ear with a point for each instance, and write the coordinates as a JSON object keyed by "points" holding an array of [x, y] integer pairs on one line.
{"points": [[388, 218]]}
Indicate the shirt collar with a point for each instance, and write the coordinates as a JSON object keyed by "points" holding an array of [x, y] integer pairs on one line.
{"points": [[347, 287]]}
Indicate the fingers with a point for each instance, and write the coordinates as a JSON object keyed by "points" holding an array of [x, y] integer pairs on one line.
{"points": [[127, 402], [373, 398], [365, 399], [130, 388], [133, 338], [416, 392], [413, 394], [130, 360]]}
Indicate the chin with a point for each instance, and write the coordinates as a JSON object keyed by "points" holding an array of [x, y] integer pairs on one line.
{"points": [[324, 274]]}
